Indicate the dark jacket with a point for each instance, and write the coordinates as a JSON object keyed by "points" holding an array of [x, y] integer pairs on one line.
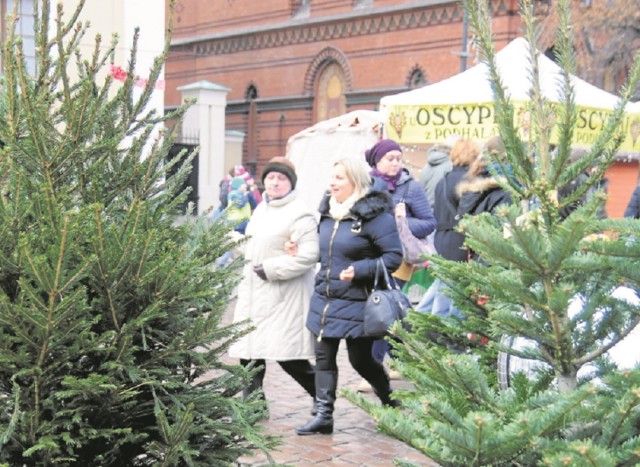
{"points": [[568, 189], [368, 233], [420, 217], [480, 194], [633, 208], [447, 241]]}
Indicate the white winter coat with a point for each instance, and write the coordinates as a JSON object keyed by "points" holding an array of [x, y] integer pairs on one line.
{"points": [[277, 307]]}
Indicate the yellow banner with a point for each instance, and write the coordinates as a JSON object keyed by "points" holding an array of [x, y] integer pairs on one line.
{"points": [[427, 124]]}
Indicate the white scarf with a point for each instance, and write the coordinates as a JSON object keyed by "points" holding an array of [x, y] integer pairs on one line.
{"points": [[339, 211]]}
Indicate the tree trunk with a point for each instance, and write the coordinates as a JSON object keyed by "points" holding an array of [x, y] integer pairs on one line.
{"points": [[567, 382]]}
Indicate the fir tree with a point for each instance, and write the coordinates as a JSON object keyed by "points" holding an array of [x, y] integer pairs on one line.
{"points": [[111, 332], [533, 263]]}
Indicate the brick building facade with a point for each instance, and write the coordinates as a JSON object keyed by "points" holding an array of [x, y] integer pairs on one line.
{"points": [[292, 63]]}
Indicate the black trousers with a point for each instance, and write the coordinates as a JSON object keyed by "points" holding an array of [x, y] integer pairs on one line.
{"points": [[300, 370], [360, 357]]}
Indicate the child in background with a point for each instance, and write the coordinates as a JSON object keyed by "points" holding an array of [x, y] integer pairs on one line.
{"points": [[238, 208], [237, 213], [239, 171]]}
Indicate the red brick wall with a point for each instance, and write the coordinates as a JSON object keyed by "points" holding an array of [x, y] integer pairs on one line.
{"points": [[378, 57]]}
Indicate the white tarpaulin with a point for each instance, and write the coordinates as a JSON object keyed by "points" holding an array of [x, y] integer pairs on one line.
{"points": [[463, 104], [314, 150]]}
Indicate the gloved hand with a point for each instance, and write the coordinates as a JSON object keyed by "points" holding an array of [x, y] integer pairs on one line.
{"points": [[259, 270]]}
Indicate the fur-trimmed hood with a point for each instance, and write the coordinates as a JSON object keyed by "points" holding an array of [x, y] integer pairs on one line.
{"points": [[375, 202], [476, 185], [480, 194]]}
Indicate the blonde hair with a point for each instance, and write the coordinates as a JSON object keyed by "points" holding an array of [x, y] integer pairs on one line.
{"points": [[357, 171], [464, 152]]}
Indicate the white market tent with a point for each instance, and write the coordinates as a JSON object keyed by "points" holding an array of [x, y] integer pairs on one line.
{"points": [[463, 104], [473, 85], [314, 150]]}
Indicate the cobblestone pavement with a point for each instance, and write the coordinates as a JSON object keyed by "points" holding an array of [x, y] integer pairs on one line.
{"points": [[354, 441]]}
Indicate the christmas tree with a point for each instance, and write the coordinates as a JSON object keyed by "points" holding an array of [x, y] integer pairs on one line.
{"points": [[544, 291], [111, 331]]}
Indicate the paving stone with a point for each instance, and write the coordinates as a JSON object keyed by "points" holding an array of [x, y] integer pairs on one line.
{"points": [[354, 442]]}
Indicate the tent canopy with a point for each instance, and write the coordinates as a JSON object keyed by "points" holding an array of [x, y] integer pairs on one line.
{"points": [[314, 150], [514, 66], [463, 104]]}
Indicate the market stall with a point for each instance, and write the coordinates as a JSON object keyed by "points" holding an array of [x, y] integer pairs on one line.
{"points": [[463, 104]]}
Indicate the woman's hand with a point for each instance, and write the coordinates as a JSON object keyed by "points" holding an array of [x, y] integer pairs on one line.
{"points": [[400, 210], [291, 248], [347, 274]]}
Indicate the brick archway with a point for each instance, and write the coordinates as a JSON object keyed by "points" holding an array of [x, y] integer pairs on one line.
{"points": [[320, 61]]}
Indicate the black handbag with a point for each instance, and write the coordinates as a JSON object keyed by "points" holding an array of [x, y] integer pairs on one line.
{"points": [[386, 304]]}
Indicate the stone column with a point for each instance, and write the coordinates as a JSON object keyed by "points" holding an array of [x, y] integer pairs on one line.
{"points": [[207, 119]]}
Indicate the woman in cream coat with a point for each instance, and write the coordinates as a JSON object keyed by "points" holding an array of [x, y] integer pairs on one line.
{"points": [[275, 291]]}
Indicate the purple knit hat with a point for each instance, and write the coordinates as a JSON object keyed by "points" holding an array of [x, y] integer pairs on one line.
{"points": [[378, 151]]}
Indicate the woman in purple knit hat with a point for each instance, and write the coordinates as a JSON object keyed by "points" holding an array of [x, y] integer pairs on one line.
{"points": [[409, 198], [410, 201]]}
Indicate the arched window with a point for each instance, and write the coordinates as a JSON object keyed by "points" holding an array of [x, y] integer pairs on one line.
{"points": [[417, 78], [330, 88], [251, 93]]}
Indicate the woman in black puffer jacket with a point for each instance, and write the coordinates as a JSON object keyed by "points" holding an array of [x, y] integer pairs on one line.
{"points": [[448, 241], [356, 228]]}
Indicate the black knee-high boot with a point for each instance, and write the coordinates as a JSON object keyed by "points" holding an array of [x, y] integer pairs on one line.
{"points": [[326, 385]]}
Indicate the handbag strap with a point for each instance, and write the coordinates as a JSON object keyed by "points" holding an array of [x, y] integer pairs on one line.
{"points": [[375, 278], [389, 280], [391, 283]]}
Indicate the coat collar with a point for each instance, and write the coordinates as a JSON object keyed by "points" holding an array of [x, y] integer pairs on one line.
{"points": [[375, 202]]}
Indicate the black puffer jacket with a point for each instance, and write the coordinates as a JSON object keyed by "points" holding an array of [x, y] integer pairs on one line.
{"points": [[368, 233], [447, 241], [480, 194]]}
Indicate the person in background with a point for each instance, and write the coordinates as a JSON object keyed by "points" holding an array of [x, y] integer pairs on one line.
{"points": [[570, 188], [237, 214], [437, 166], [224, 189], [410, 201], [448, 242], [238, 210], [409, 198], [357, 228], [238, 171], [479, 191], [633, 208], [276, 287]]}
